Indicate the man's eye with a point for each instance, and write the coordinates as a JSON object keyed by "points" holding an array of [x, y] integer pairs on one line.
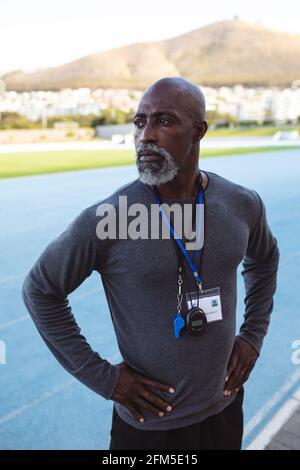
{"points": [[164, 121], [138, 124]]}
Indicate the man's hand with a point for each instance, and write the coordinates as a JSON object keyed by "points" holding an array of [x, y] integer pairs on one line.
{"points": [[241, 363], [132, 392]]}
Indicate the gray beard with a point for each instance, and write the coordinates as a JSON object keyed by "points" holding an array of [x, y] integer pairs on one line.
{"points": [[157, 172]]}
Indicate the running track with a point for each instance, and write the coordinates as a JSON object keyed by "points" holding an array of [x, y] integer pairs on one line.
{"points": [[41, 406]]}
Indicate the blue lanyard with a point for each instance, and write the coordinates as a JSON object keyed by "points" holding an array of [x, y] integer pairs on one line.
{"points": [[191, 263]]}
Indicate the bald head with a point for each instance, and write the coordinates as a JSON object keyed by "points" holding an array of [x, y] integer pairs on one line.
{"points": [[182, 93]]}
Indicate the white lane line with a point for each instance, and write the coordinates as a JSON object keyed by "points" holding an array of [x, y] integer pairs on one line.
{"points": [[276, 423], [17, 320], [87, 294], [13, 322], [46, 396], [267, 407], [27, 406]]}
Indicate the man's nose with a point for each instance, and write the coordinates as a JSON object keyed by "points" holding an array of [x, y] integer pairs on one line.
{"points": [[148, 133]]}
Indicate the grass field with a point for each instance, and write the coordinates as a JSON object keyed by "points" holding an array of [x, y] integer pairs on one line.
{"points": [[257, 131], [25, 164]]}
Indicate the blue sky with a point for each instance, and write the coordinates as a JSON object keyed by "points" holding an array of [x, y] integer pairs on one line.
{"points": [[38, 33]]}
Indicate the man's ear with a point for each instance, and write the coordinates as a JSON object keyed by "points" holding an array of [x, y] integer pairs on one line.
{"points": [[200, 130]]}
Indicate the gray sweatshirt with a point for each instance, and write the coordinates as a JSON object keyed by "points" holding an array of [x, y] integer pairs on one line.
{"points": [[140, 283]]}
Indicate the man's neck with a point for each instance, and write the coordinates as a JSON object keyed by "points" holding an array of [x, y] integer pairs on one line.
{"points": [[182, 187]]}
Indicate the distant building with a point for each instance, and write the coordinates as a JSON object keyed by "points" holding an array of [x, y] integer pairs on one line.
{"points": [[250, 112], [285, 105], [245, 104]]}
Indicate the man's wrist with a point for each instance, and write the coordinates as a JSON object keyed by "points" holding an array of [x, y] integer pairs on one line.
{"points": [[244, 336]]}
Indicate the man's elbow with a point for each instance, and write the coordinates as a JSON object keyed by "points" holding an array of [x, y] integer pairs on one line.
{"points": [[28, 289], [276, 253]]}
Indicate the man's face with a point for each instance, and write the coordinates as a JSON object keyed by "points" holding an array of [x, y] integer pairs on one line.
{"points": [[163, 135]]}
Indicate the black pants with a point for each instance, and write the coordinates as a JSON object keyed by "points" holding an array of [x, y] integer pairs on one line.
{"points": [[221, 431]]}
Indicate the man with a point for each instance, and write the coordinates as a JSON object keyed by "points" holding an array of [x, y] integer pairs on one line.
{"points": [[180, 384]]}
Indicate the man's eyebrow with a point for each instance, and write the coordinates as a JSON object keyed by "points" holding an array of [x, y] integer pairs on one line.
{"points": [[139, 115], [158, 113]]}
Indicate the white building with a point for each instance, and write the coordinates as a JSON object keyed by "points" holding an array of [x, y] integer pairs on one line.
{"points": [[244, 104]]}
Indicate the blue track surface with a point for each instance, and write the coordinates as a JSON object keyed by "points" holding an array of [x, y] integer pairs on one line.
{"points": [[41, 407]]}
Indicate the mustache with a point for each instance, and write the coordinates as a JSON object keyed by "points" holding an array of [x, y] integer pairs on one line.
{"points": [[143, 149]]}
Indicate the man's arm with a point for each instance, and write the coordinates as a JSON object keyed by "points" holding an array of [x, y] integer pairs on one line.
{"points": [[61, 268], [260, 267], [66, 262], [259, 272]]}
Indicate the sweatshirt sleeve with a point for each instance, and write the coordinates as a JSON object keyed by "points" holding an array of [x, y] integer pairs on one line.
{"points": [[260, 267], [65, 263]]}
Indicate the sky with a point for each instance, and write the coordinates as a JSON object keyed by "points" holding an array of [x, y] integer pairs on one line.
{"points": [[37, 33]]}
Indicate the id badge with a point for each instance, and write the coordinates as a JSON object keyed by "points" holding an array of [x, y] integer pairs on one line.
{"points": [[209, 301]]}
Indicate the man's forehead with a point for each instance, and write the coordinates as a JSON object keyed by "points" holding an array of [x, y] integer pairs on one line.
{"points": [[153, 103], [157, 108]]}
